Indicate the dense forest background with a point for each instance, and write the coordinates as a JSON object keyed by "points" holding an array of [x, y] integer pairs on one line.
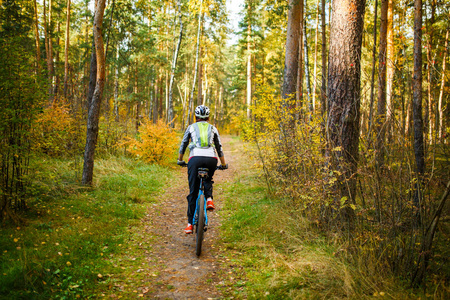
{"points": [[344, 102]]}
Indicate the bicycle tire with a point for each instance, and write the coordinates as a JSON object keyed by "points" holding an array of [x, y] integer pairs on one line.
{"points": [[200, 225]]}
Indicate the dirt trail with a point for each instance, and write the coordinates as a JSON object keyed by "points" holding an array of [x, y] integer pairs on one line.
{"points": [[180, 273]]}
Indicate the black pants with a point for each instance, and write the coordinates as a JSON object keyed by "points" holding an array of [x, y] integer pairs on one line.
{"points": [[194, 163]]}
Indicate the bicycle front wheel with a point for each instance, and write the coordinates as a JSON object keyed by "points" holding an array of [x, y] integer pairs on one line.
{"points": [[200, 224]]}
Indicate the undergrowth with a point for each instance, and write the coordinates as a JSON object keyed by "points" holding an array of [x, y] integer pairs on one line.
{"points": [[69, 235], [276, 252]]}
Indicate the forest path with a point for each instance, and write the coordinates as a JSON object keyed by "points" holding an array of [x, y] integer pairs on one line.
{"points": [[180, 274]]}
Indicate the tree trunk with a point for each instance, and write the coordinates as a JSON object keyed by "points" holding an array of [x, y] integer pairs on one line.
{"points": [[316, 35], [66, 51], [430, 67], [299, 83], [191, 96], [390, 68], [48, 50], [56, 61], [94, 109], [307, 76], [155, 100], [374, 61], [417, 86], [323, 89], [170, 113], [441, 92], [38, 48], [200, 78], [381, 112], [138, 101], [249, 60], [92, 75], [291, 62], [344, 95], [116, 86]]}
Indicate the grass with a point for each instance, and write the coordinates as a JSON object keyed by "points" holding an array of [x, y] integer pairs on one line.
{"points": [[67, 246], [270, 251]]}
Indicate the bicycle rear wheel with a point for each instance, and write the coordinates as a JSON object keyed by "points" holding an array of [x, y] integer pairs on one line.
{"points": [[200, 224]]}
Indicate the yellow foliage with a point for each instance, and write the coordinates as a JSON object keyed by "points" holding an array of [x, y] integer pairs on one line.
{"points": [[288, 144], [55, 131], [155, 143]]}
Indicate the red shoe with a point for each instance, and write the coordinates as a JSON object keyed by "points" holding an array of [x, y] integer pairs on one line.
{"points": [[189, 229], [210, 204]]}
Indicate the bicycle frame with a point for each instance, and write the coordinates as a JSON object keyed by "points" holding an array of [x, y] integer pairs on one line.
{"points": [[200, 192]]}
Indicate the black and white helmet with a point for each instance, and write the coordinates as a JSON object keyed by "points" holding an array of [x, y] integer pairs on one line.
{"points": [[202, 112]]}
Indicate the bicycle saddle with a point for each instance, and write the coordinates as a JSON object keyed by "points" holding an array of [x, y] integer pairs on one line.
{"points": [[203, 172]]}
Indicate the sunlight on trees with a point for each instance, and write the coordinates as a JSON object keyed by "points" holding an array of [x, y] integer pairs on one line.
{"points": [[367, 163]]}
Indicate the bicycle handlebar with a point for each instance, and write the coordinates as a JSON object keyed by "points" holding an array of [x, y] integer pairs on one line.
{"points": [[182, 163]]}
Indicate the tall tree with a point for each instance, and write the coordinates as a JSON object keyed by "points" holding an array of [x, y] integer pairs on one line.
{"points": [[66, 50], [374, 61], [174, 65], [381, 112], [323, 89], [441, 92], [36, 28], [344, 93], [249, 58], [291, 63], [417, 86], [430, 67], [191, 97], [316, 36], [307, 75], [94, 109], [390, 67]]}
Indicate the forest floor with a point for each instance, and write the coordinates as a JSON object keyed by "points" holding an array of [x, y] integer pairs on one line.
{"points": [[173, 269]]}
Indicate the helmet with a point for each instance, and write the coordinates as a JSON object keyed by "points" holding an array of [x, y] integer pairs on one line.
{"points": [[202, 112]]}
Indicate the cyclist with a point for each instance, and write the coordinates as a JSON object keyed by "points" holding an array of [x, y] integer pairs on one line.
{"points": [[205, 141]]}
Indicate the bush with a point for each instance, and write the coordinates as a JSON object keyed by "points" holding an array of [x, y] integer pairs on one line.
{"points": [[155, 143], [55, 131]]}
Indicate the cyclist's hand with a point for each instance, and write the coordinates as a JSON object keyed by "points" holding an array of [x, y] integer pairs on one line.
{"points": [[181, 163], [223, 167]]}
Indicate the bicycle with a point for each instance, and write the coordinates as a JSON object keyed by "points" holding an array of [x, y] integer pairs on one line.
{"points": [[200, 220]]}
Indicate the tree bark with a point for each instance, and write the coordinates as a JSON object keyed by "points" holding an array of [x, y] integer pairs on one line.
{"points": [[170, 113], [38, 48], [249, 60], [381, 112], [316, 35], [390, 68], [417, 86], [200, 78], [66, 50], [323, 90], [441, 92], [116, 86], [94, 109], [291, 62], [307, 75], [138, 101], [374, 61], [344, 95], [430, 66], [191, 96], [48, 50], [155, 100], [92, 75]]}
